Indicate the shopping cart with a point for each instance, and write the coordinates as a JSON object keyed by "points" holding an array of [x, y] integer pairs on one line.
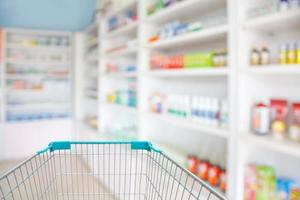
{"points": [[104, 171]]}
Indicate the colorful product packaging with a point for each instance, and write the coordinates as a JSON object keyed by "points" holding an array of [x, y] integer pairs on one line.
{"points": [[279, 114], [266, 183], [250, 182], [198, 60], [214, 174], [295, 192], [223, 180], [203, 170], [260, 182], [283, 188], [260, 118], [173, 62], [193, 164], [294, 129]]}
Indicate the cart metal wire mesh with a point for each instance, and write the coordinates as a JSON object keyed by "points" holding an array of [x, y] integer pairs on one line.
{"points": [[102, 171]]}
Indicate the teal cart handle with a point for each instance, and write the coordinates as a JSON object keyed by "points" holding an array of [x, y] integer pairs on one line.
{"points": [[66, 145]]}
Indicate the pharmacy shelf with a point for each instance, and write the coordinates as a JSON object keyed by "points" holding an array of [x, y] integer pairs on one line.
{"points": [[121, 107], [279, 21], [123, 52], [35, 77], [280, 70], [35, 63], [30, 92], [50, 101], [38, 106], [48, 49], [180, 9], [123, 8], [189, 72], [129, 28], [133, 74], [190, 38], [285, 146], [173, 121]]}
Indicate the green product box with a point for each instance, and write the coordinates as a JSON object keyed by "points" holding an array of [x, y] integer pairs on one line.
{"points": [[198, 60], [266, 183]]}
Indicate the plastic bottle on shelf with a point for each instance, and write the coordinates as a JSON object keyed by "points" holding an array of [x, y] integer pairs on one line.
{"points": [[291, 53], [294, 129], [224, 114], [282, 54], [187, 104], [179, 106], [201, 110], [215, 112], [216, 58], [261, 118], [194, 109], [255, 57], [265, 56], [223, 176], [207, 110]]}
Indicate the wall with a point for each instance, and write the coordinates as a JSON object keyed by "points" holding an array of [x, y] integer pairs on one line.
{"points": [[69, 15]]}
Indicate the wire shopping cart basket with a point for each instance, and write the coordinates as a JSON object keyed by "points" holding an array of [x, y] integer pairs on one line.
{"points": [[103, 171]]}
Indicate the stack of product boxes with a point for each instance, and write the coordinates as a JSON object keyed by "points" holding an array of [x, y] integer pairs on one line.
{"points": [[216, 58], [125, 97], [261, 183]]}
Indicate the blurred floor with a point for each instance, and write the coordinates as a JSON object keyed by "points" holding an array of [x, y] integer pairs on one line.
{"points": [[7, 165], [63, 182]]}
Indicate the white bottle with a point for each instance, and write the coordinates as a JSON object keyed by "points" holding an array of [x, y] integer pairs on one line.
{"points": [[207, 109], [187, 106], [215, 110], [200, 110], [193, 110], [224, 115]]}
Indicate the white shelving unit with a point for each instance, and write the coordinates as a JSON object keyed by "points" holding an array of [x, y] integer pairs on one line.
{"points": [[121, 65], [187, 124], [35, 63], [91, 76], [238, 82], [37, 90], [221, 72], [120, 71], [161, 128], [208, 34], [264, 82]]}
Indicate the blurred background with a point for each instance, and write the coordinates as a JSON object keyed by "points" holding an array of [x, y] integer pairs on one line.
{"points": [[214, 83]]}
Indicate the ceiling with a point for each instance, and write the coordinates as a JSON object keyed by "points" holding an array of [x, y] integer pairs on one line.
{"points": [[67, 15]]}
